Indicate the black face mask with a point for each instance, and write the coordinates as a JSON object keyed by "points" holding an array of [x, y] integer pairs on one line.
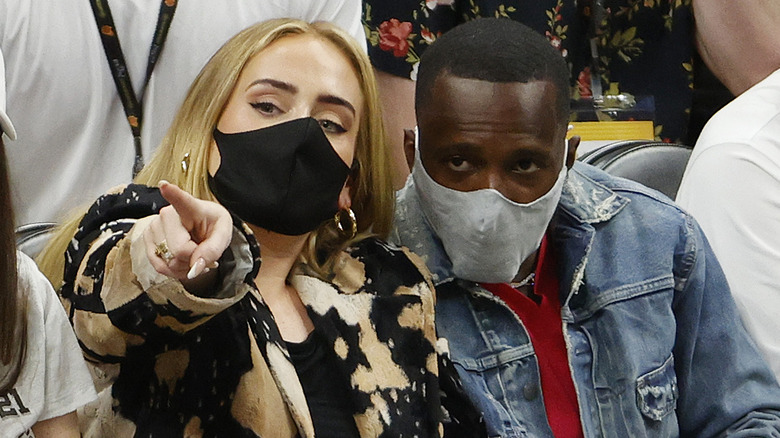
{"points": [[285, 178]]}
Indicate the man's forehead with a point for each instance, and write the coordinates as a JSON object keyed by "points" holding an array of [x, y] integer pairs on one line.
{"points": [[471, 105], [454, 96]]}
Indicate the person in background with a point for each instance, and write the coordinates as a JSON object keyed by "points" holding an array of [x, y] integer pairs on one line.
{"points": [[43, 377], [278, 151], [642, 48], [574, 303], [732, 182], [67, 59]]}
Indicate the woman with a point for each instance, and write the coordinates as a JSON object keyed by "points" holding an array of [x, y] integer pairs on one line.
{"points": [[188, 333], [37, 346]]}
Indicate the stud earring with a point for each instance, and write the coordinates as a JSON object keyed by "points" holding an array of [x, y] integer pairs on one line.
{"points": [[185, 163]]}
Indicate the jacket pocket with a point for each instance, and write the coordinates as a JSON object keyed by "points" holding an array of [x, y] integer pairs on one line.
{"points": [[656, 391]]}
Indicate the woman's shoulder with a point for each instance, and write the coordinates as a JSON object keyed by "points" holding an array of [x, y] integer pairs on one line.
{"points": [[33, 285], [379, 267], [52, 350]]}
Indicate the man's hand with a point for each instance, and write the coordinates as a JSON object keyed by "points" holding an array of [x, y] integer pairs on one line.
{"points": [[188, 236]]}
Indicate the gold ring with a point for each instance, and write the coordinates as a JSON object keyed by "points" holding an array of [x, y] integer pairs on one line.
{"points": [[162, 251]]}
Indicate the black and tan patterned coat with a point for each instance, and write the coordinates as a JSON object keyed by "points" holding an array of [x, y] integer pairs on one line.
{"points": [[168, 363]]}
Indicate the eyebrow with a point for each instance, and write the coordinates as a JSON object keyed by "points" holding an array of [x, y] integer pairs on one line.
{"points": [[290, 88], [286, 86], [335, 100]]}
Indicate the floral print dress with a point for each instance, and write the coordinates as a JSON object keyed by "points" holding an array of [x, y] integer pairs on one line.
{"points": [[644, 47]]}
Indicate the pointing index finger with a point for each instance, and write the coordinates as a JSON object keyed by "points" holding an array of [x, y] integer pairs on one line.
{"points": [[184, 203]]}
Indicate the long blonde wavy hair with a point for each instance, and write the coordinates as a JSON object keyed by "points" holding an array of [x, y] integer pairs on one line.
{"points": [[191, 131]]}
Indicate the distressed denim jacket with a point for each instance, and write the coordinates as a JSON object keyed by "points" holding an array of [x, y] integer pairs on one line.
{"points": [[655, 346]]}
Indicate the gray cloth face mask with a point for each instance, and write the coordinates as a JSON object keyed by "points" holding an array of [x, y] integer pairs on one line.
{"points": [[486, 235]]}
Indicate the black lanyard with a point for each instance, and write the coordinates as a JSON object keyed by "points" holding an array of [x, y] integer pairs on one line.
{"points": [[116, 62]]}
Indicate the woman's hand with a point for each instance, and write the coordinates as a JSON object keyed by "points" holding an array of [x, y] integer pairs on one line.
{"points": [[188, 236]]}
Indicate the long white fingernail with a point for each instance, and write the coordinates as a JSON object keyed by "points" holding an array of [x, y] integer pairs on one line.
{"points": [[196, 269]]}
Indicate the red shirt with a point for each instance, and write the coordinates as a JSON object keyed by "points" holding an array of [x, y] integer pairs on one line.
{"points": [[545, 327]]}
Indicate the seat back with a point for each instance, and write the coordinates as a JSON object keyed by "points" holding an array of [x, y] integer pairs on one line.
{"points": [[657, 165], [31, 238]]}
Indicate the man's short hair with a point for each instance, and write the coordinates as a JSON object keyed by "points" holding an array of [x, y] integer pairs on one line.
{"points": [[493, 50]]}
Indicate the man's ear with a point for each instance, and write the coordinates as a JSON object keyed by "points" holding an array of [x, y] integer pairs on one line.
{"points": [[574, 143], [409, 147]]}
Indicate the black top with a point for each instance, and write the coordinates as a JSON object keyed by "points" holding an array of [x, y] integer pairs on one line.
{"points": [[325, 389]]}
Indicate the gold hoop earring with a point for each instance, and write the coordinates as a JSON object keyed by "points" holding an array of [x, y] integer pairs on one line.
{"points": [[352, 223], [185, 163]]}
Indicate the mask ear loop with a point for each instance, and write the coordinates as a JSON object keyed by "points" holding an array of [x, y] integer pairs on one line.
{"points": [[417, 157], [416, 140]]}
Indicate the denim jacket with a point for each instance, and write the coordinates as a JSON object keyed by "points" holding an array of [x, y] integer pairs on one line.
{"points": [[655, 346]]}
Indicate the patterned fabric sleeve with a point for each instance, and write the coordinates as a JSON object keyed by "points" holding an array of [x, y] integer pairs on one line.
{"points": [[114, 296]]}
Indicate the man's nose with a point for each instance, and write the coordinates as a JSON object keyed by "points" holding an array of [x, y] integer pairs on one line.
{"points": [[493, 180], [497, 179]]}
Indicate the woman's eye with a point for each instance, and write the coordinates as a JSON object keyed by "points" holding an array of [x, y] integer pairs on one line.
{"points": [[525, 166], [331, 126], [265, 107], [459, 164]]}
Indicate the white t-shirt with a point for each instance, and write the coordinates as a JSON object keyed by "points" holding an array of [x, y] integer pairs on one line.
{"points": [[54, 379], [732, 187], [74, 141]]}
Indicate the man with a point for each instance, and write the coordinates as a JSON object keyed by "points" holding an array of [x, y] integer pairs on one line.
{"points": [[574, 303], [76, 139], [732, 182]]}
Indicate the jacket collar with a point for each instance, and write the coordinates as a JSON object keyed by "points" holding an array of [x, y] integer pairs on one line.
{"points": [[587, 200], [584, 200]]}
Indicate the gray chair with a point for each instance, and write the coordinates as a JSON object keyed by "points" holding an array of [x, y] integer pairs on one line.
{"points": [[31, 238], [657, 165]]}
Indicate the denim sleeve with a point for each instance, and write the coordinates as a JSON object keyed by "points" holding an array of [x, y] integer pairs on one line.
{"points": [[726, 387]]}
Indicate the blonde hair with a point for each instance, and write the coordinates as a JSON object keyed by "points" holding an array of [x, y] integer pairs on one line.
{"points": [[191, 134]]}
